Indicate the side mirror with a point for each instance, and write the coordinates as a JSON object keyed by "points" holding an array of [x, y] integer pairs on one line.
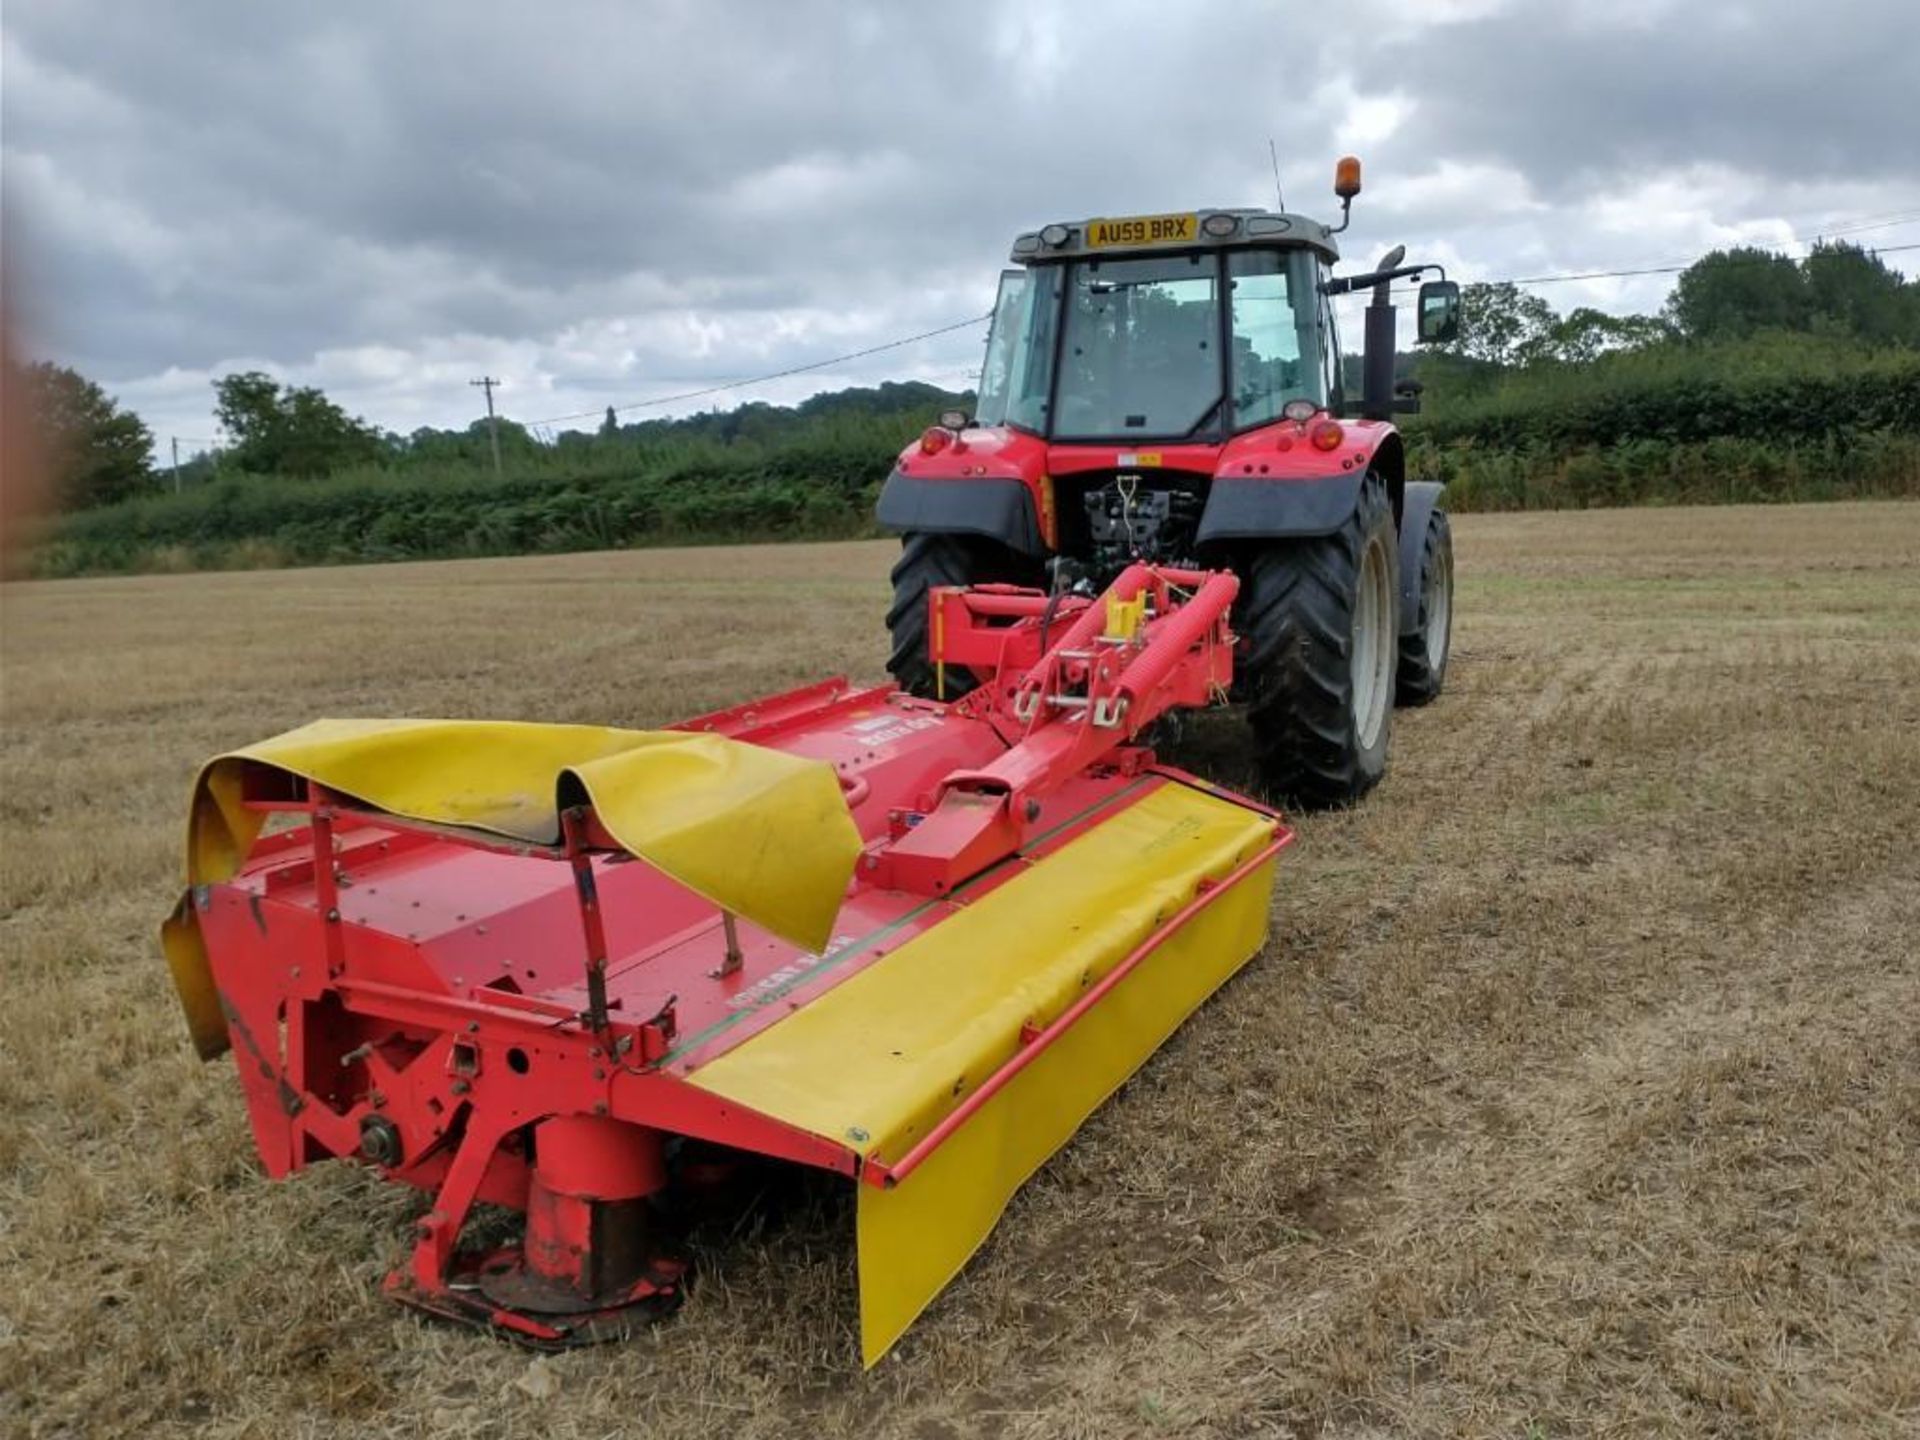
{"points": [[1439, 312]]}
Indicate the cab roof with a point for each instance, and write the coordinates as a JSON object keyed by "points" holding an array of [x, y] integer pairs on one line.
{"points": [[1113, 237]]}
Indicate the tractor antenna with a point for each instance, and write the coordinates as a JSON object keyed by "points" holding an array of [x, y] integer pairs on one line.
{"points": [[1273, 154]]}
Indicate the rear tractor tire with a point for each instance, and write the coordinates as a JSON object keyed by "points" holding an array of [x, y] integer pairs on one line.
{"points": [[928, 560], [1319, 619], [1424, 650]]}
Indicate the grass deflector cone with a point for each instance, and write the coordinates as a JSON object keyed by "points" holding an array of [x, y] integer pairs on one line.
{"points": [[569, 969]]}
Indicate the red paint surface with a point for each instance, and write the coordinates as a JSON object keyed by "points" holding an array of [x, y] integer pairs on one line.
{"points": [[448, 1000]]}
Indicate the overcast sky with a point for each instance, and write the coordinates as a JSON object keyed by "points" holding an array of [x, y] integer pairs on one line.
{"points": [[604, 202]]}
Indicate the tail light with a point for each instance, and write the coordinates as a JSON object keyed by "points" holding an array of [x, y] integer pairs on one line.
{"points": [[934, 439], [1327, 435]]}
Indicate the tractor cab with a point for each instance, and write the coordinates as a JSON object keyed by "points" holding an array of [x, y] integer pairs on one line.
{"points": [[1184, 328]]}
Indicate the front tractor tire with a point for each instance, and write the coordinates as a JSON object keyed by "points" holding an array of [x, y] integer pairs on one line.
{"points": [[925, 561], [1318, 616], [1424, 649]]}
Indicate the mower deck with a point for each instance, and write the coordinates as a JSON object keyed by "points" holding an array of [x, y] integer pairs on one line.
{"points": [[964, 974]]}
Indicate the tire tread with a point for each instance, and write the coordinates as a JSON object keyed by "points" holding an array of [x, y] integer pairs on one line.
{"points": [[1420, 682], [927, 560], [1296, 611]]}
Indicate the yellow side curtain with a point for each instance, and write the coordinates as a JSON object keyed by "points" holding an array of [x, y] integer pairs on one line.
{"points": [[756, 831]]}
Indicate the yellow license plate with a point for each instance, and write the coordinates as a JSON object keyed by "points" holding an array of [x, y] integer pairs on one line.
{"points": [[1142, 230]]}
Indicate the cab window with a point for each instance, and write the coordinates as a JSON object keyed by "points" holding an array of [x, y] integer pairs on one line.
{"points": [[1019, 360], [1279, 353]]}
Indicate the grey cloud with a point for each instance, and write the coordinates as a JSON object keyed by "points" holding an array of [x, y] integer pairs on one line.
{"points": [[613, 194], [1582, 96]]}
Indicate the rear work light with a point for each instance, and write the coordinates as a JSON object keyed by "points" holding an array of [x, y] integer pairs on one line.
{"points": [[1220, 226], [1299, 411], [1327, 435]]}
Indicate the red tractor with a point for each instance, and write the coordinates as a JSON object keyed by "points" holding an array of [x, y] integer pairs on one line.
{"points": [[1169, 389]]}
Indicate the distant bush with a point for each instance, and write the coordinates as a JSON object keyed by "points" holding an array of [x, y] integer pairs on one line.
{"points": [[1782, 388], [1773, 417], [1727, 469], [818, 490], [1767, 418]]}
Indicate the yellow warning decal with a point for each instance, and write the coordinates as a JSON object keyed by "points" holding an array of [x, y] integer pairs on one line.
{"points": [[1125, 617], [879, 1060]]}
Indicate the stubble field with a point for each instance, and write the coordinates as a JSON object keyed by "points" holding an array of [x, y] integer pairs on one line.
{"points": [[1577, 1092]]}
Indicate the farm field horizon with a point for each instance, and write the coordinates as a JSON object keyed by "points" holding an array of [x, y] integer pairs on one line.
{"points": [[1577, 1090]]}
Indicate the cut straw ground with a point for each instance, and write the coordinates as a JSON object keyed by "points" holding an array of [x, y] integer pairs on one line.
{"points": [[1577, 1093]]}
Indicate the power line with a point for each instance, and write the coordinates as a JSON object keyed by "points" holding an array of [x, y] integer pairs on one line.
{"points": [[1855, 225], [775, 375], [1838, 225], [1874, 218], [1858, 225], [701, 394], [1908, 218], [1885, 220], [1650, 270], [1567, 277]]}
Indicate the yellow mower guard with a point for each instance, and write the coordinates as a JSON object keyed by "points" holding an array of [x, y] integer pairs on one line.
{"points": [[884, 1058], [758, 832]]}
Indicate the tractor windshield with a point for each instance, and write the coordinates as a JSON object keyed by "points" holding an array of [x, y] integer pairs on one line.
{"points": [[1140, 353]]}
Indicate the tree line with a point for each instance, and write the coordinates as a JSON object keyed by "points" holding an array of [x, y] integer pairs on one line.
{"points": [[1838, 290], [102, 454]]}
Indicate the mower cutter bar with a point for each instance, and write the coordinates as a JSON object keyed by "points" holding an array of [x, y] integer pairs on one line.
{"points": [[909, 942]]}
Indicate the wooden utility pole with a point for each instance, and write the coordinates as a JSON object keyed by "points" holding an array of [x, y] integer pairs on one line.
{"points": [[176, 464], [486, 383]]}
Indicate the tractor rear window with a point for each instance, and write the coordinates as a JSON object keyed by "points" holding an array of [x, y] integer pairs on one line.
{"points": [[1276, 336], [1141, 352]]}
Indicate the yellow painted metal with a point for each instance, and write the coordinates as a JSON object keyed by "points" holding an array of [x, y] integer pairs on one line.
{"points": [[1130, 230], [939, 652], [758, 832], [186, 956], [1125, 617], [880, 1059]]}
